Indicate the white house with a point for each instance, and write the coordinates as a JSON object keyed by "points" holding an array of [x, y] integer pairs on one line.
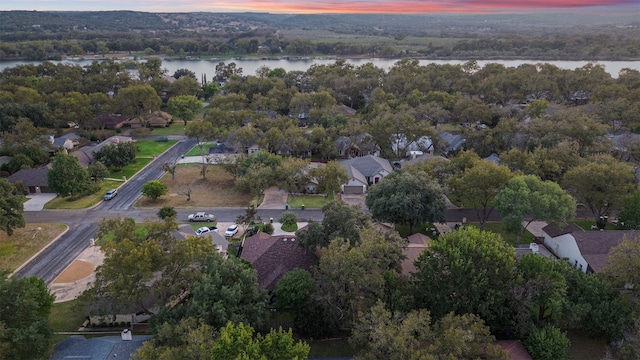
{"points": [[586, 250]]}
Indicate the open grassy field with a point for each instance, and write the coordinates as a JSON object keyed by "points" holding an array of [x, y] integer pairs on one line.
{"points": [[84, 202], [25, 242], [151, 148], [175, 128], [309, 201], [217, 190]]}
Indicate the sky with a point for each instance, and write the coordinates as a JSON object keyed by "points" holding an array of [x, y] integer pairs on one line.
{"points": [[322, 6]]}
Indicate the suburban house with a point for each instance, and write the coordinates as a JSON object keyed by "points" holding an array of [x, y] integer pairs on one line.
{"points": [[452, 142], [155, 119], [586, 250], [111, 121], [99, 348], [85, 153], [356, 146], [67, 141], [272, 256], [34, 180], [417, 244], [364, 171], [402, 147]]}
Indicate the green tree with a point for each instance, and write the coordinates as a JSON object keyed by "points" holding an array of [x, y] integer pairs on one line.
{"points": [[11, 208], [478, 186], [294, 289], [467, 271], [227, 291], [329, 177], [548, 343], [184, 107], [367, 262], [67, 177], [239, 342], [98, 171], [166, 212], [210, 89], [153, 189], [288, 218], [536, 200], [25, 304], [623, 267], [117, 155], [382, 334], [188, 339], [407, 198], [138, 101], [629, 216], [601, 184]]}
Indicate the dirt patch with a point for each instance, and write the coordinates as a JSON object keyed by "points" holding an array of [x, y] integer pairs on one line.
{"points": [[25, 242], [217, 190], [78, 270]]}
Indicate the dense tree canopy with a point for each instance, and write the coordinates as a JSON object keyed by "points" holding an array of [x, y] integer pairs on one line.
{"points": [[25, 304], [407, 198], [67, 177]]}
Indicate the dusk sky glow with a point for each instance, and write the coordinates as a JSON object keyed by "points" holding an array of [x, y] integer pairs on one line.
{"points": [[320, 6]]}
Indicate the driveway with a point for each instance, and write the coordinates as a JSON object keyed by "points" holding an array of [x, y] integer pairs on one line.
{"points": [[36, 201], [355, 199], [274, 198]]}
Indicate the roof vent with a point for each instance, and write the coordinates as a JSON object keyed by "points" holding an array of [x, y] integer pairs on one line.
{"points": [[284, 239]]}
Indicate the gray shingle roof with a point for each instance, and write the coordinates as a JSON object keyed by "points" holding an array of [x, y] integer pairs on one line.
{"points": [[596, 245], [31, 177], [100, 348], [368, 165]]}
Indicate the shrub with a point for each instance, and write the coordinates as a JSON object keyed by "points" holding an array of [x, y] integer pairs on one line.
{"points": [[167, 212], [268, 228], [288, 218], [548, 343]]}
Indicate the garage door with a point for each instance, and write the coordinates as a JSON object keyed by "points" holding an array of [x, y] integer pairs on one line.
{"points": [[353, 189]]}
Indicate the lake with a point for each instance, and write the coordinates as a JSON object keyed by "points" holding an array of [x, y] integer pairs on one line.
{"points": [[249, 67]]}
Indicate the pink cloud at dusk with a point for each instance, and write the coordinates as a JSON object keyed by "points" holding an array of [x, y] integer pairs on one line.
{"points": [[320, 6]]}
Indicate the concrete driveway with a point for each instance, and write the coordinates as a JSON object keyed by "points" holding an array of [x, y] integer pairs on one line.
{"points": [[36, 201], [274, 198], [355, 199]]}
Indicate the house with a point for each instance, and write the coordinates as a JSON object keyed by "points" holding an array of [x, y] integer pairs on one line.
{"points": [[453, 142], [253, 149], [417, 244], [99, 348], [85, 154], [4, 160], [274, 256], [494, 158], [356, 146], [515, 349], [67, 141], [364, 171], [586, 250], [155, 119], [111, 121], [34, 180], [402, 147]]}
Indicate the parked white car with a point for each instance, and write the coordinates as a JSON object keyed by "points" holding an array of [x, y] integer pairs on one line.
{"points": [[206, 229], [231, 231]]}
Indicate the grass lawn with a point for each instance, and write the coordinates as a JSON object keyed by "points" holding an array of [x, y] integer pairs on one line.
{"points": [[496, 227], [403, 229], [586, 225], [175, 128], [25, 242], [195, 151], [216, 190], [150, 148], [84, 202], [290, 228], [131, 169], [66, 316], [309, 201]]}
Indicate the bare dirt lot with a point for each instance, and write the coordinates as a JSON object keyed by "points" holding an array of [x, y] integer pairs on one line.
{"points": [[216, 190], [25, 242]]}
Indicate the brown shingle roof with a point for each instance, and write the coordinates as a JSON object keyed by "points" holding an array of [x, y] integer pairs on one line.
{"points": [[515, 349], [30, 177], [596, 245], [274, 256], [553, 230]]}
